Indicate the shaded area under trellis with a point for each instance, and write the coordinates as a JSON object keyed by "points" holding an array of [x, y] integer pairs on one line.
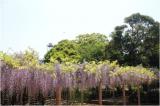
{"points": [[149, 96]]}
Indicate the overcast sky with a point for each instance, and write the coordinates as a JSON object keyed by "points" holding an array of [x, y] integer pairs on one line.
{"points": [[35, 23]]}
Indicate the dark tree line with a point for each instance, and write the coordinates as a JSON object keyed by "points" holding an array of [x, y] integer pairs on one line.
{"points": [[133, 43]]}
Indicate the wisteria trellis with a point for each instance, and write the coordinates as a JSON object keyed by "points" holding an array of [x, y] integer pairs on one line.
{"points": [[82, 76]]}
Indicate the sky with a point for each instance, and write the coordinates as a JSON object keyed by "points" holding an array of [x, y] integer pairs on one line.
{"points": [[35, 23]]}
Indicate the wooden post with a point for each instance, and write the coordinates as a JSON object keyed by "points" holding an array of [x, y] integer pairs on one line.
{"points": [[138, 95], [58, 95], [100, 92], [124, 95]]}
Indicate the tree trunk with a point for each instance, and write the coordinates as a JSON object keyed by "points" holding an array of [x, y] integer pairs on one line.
{"points": [[124, 95], [113, 94], [70, 95], [73, 96], [58, 95], [82, 96], [21, 98], [138, 95], [100, 92]]}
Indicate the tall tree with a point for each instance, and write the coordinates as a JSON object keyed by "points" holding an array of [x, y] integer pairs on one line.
{"points": [[115, 49], [136, 42]]}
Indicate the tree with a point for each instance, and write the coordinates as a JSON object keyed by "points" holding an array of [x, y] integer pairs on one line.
{"points": [[92, 46], [64, 51], [9, 60], [27, 58], [136, 42], [151, 47], [114, 51]]}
